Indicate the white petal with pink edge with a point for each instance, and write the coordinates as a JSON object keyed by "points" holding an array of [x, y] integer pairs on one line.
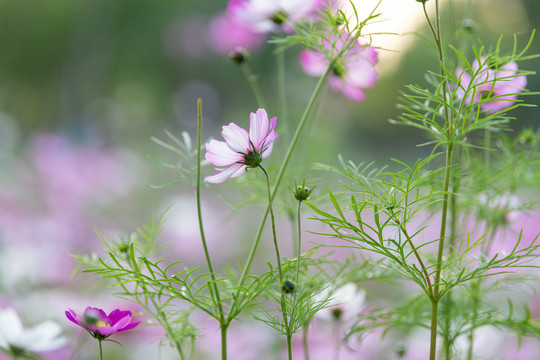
{"points": [[236, 138], [220, 154]]}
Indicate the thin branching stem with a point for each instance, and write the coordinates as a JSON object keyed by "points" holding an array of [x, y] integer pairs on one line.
{"points": [[417, 255], [221, 316], [276, 248], [449, 126]]}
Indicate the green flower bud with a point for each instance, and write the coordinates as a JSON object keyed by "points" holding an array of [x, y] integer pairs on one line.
{"points": [[302, 192], [288, 286]]}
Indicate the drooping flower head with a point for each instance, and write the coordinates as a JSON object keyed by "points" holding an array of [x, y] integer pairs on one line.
{"points": [[354, 69], [241, 149], [18, 342], [495, 88], [265, 16], [99, 324]]}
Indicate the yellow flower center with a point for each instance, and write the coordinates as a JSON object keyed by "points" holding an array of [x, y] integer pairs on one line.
{"points": [[102, 324]]}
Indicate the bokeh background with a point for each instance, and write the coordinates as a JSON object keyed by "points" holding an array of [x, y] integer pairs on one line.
{"points": [[85, 84]]}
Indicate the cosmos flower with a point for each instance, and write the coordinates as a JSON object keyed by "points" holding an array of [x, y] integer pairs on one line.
{"points": [[344, 303], [226, 34], [241, 149], [354, 70], [497, 89], [265, 16], [18, 342], [99, 324]]}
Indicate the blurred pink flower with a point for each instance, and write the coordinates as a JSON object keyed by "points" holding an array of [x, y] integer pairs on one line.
{"points": [[241, 149], [354, 70], [99, 324], [265, 16], [499, 86], [226, 34]]}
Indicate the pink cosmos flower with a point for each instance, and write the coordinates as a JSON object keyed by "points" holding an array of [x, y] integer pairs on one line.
{"points": [[99, 324], [241, 150], [501, 86], [353, 72], [226, 34], [265, 16]]}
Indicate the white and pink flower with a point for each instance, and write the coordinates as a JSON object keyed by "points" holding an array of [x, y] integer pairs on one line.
{"points": [[354, 70], [241, 149], [265, 16]]}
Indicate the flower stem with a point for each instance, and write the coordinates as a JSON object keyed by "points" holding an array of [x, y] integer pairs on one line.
{"points": [[299, 245], [221, 315], [449, 125], [100, 349], [305, 340], [276, 247], [283, 167], [335, 335], [252, 80]]}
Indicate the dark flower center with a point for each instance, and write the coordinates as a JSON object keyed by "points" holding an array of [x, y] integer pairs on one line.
{"points": [[279, 17]]}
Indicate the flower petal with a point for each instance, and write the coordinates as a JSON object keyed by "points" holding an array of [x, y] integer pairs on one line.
{"points": [[118, 316], [225, 173], [258, 128], [10, 325], [237, 139], [313, 63], [43, 337], [219, 154]]}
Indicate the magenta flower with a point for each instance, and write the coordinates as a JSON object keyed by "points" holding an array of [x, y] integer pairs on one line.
{"points": [[354, 70], [241, 150], [265, 16], [99, 324], [499, 88]]}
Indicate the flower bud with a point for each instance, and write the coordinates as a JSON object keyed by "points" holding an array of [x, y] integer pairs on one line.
{"points": [[422, 1], [302, 192], [288, 287], [468, 24], [123, 247], [239, 55]]}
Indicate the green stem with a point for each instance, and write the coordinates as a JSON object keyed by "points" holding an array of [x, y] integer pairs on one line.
{"points": [[299, 245], [252, 80], [305, 341], [221, 316], [100, 349], [276, 248], [449, 125], [223, 329], [442, 236], [475, 287], [433, 339], [448, 304], [283, 167]]}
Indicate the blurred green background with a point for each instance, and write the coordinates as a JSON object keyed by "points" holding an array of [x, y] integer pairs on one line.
{"points": [[123, 70]]}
